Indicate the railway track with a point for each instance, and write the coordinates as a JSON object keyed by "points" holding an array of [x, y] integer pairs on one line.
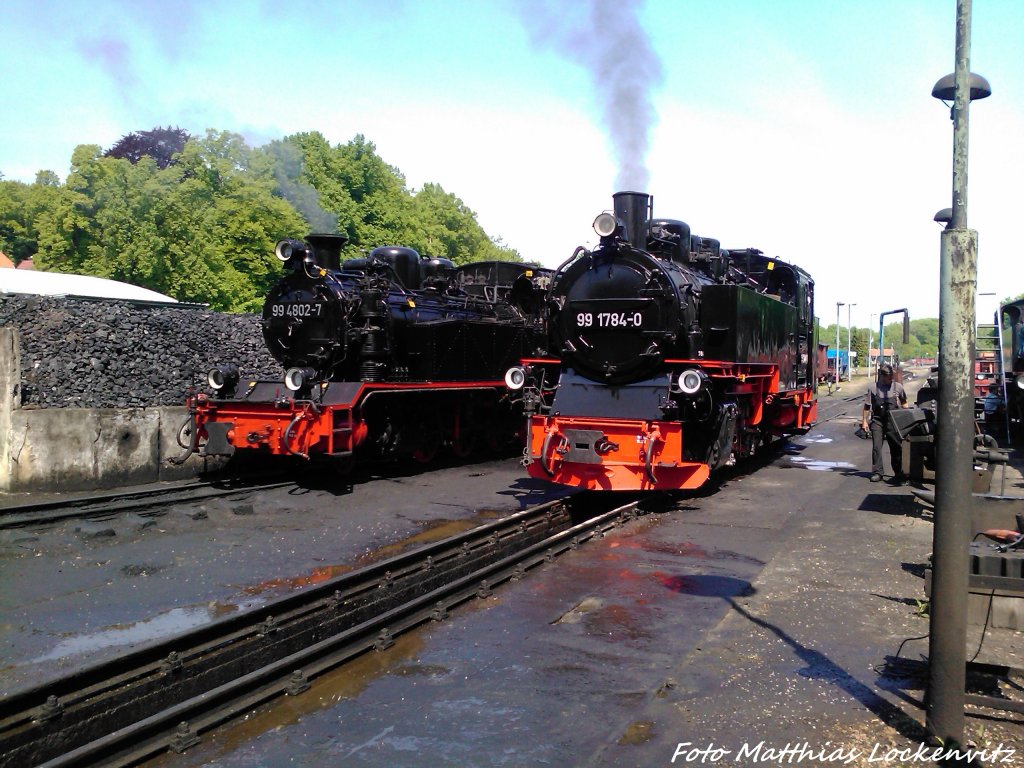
{"points": [[165, 695], [144, 502]]}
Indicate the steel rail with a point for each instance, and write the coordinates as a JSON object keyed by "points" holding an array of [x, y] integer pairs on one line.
{"points": [[100, 506], [159, 698]]}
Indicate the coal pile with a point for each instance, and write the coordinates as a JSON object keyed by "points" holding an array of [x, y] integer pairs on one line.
{"points": [[116, 354]]}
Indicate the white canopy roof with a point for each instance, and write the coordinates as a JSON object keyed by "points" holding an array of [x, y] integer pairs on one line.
{"points": [[61, 284]]}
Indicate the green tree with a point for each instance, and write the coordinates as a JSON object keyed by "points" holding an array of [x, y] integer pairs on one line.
{"points": [[444, 226], [20, 206], [161, 144], [199, 222], [202, 229], [860, 346]]}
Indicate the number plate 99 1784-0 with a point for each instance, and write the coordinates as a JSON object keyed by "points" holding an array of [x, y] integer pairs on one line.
{"points": [[629, 319], [297, 309]]}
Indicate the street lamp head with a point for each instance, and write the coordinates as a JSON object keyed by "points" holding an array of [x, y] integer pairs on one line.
{"points": [[945, 89], [944, 216]]}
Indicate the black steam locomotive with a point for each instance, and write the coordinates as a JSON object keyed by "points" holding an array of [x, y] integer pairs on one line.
{"points": [[674, 357], [388, 355]]}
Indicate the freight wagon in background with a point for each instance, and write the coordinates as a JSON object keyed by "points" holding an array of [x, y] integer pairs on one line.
{"points": [[824, 375], [1011, 358]]}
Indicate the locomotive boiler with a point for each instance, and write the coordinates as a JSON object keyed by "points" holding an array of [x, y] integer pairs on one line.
{"points": [[387, 355], [671, 357]]}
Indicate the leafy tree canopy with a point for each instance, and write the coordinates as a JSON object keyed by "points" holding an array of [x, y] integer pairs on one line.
{"points": [[162, 144], [197, 217]]}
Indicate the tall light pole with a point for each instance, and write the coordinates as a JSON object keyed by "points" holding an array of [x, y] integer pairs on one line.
{"points": [[871, 339], [838, 305], [958, 280], [849, 343]]}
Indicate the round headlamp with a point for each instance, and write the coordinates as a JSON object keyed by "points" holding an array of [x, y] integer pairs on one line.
{"points": [[221, 376], [1019, 381], [298, 378], [690, 381], [284, 249], [515, 378], [606, 224]]}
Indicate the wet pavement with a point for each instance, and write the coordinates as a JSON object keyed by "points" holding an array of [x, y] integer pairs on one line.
{"points": [[747, 620], [752, 618], [81, 592]]}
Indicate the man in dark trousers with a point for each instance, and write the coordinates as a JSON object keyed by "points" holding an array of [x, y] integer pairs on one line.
{"points": [[884, 395]]}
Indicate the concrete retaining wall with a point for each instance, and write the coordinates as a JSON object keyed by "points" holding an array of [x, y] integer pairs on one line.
{"points": [[65, 449], [70, 449]]}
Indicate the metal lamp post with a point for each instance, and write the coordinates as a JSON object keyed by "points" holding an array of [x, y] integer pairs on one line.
{"points": [[955, 415], [849, 343], [838, 305], [871, 341]]}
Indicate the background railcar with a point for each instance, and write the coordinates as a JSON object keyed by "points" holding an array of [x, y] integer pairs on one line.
{"points": [[1011, 317], [385, 356], [671, 357]]}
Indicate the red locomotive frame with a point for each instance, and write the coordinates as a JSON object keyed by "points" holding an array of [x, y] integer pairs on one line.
{"points": [[658, 461], [341, 417]]}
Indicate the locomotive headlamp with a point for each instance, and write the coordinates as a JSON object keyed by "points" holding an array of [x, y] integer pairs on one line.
{"points": [[515, 378], [606, 224], [298, 378], [690, 381], [294, 250], [1019, 381], [222, 376], [285, 249]]}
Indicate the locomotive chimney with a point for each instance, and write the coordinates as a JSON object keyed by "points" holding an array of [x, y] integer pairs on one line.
{"points": [[634, 210], [328, 250]]}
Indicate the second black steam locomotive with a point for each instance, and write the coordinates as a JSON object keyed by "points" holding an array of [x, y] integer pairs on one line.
{"points": [[670, 357], [387, 355]]}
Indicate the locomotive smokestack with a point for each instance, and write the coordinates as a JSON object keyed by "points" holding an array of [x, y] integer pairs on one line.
{"points": [[635, 210], [328, 249]]}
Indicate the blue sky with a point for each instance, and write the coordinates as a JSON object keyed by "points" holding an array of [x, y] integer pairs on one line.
{"points": [[804, 128]]}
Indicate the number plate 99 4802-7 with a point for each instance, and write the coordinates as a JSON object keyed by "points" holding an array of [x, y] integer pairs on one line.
{"points": [[298, 309]]}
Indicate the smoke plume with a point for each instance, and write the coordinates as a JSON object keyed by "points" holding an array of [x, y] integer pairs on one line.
{"points": [[306, 200], [606, 38]]}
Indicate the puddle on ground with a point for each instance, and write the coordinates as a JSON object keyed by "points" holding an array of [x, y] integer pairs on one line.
{"points": [[617, 623], [575, 614], [346, 682], [316, 576], [637, 733], [162, 625], [818, 465], [681, 549], [435, 532]]}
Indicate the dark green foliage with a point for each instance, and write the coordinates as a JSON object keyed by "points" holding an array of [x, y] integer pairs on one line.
{"points": [[198, 218], [924, 338]]}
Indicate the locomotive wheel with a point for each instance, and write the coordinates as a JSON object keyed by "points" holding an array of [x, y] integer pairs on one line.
{"points": [[465, 444], [427, 447], [464, 436]]}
